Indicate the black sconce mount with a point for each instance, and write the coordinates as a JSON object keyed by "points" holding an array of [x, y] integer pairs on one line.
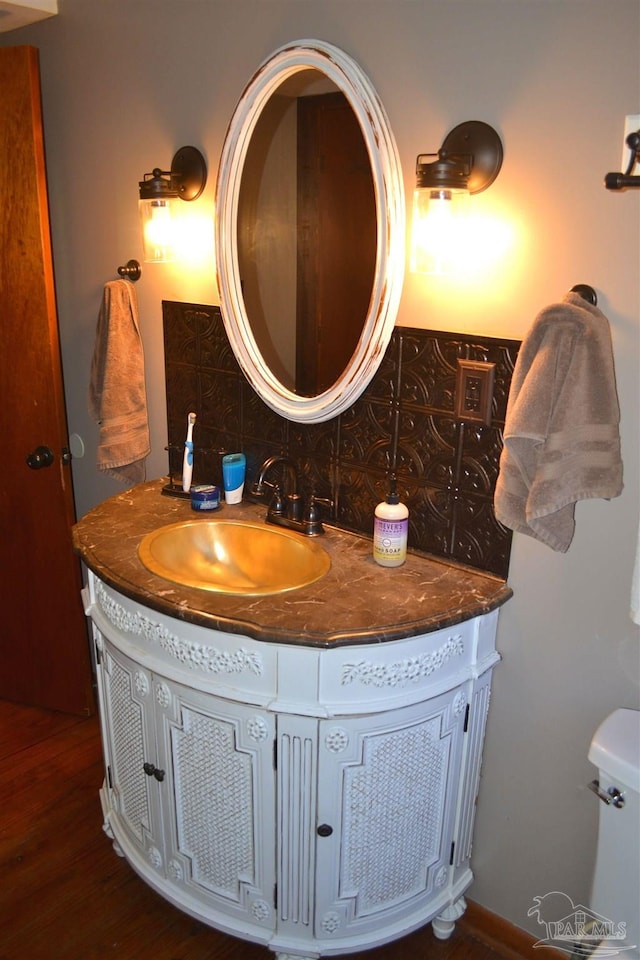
{"points": [[186, 178], [620, 181], [470, 158]]}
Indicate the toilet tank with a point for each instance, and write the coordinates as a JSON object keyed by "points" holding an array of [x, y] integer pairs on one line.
{"points": [[615, 895]]}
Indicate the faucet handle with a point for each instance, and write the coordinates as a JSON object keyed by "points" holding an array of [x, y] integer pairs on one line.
{"points": [[312, 514], [312, 519], [276, 507], [323, 501], [259, 488], [294, 506]]}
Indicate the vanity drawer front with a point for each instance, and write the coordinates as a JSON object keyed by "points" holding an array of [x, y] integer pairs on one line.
{"points": [[379, 676], [233, 666]]}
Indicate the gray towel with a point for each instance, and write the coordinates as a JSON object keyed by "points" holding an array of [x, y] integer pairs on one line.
{"points": [[117, 393], [561, 436]]}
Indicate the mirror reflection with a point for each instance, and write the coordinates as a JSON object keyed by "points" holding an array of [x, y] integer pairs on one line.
{"points": [[307, 232]]}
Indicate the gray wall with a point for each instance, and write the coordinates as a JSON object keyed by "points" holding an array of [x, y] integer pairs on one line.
{"points": [[126, 82]]}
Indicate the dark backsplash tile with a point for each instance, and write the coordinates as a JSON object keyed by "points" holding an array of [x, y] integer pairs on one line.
{"points": [[404, 422]]}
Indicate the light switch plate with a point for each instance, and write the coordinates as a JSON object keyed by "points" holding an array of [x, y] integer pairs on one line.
{"points": [[474, 390]]}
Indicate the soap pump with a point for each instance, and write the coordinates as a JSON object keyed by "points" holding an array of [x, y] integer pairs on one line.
{"points": [[390, 528]]}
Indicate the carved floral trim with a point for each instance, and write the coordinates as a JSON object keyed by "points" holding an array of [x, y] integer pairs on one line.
{"points": [[336, 740], [141, 683], [375, 674], [261, 911], [163, 695], [459, 704], [257, 729], [155, 857], [196, 656], [330, 922]]}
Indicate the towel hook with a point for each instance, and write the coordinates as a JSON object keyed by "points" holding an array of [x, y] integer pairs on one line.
{"points": [[586, 292], [130, 271]]}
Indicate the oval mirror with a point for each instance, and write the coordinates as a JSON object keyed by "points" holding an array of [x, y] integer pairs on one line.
{"points": [[310, 231]]}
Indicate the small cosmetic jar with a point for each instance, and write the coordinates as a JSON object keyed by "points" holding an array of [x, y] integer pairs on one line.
{"points": [[205, 497]]}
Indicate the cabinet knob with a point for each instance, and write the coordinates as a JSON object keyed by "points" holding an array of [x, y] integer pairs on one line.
{"points": [[325, 830], [152, 771]]}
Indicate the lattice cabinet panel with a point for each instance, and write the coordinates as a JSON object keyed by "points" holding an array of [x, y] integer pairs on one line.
{"points": [[221, 842], [391, 784], [129, 740]]}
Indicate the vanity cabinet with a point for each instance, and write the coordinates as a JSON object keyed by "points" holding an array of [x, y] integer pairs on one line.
{"points": [[318, 800], [188, 794]]}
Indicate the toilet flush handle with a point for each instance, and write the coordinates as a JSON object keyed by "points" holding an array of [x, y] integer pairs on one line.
{"points": [[612, 796]]}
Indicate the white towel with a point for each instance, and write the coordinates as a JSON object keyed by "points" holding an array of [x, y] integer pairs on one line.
{"points": [[117, 393], [561, 436]]}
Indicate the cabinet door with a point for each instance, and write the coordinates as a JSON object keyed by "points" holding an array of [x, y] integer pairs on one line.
{"points": [[127, 716], [220, 827], [386, 797]]}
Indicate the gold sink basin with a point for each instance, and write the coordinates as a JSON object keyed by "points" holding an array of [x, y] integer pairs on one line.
{"points": [[233, 557]]}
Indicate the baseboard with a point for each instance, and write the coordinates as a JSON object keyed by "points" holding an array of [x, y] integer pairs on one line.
{"points": [[510, 941]]}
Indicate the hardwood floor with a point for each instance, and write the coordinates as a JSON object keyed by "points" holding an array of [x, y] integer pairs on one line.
{"points": [[65, 895]]}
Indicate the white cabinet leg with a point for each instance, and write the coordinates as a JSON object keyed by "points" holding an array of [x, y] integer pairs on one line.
{"points": [[295, 956], [443, 925]]}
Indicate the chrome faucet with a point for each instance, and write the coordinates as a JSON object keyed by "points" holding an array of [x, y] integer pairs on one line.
{"points": [[286, 506]]}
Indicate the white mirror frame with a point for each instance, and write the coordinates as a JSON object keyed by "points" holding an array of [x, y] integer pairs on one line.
{"points": [[390, 211]]}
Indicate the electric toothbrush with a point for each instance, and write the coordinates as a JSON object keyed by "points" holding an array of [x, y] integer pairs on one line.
{"points": [[187, 463]]}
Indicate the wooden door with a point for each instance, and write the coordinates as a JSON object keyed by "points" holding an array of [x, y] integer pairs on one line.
{"points": [[337, 239], [44, 652]]}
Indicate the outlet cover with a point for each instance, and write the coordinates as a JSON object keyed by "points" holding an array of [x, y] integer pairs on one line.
{"points": [[474, 390]]}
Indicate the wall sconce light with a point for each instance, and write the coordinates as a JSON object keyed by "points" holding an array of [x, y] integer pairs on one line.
{"points": [[468, 162], [160, 194]]}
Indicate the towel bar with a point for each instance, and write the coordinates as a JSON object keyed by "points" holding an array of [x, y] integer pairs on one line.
{"points": [[586, 292], [130, 271]]}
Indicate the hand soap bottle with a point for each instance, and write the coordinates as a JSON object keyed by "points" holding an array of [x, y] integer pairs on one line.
{"points": [[390, 528]]}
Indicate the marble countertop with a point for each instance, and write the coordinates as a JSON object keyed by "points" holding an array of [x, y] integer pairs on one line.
{"points": [[357, 601]]}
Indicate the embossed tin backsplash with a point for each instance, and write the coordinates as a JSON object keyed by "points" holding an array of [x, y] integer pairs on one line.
{"points": [[404, 422]]}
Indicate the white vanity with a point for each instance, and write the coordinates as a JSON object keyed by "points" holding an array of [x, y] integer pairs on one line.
{"points": [[299, 770], [314, 796]]}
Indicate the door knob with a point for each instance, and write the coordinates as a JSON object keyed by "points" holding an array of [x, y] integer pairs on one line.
{"points": [[40, 457]]}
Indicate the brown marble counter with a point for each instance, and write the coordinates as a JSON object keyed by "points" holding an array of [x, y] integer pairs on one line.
{"points": [[356, 602]]}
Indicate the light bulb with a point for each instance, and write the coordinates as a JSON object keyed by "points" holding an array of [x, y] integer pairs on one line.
{"points": [[158, 231], [438, 223]]}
